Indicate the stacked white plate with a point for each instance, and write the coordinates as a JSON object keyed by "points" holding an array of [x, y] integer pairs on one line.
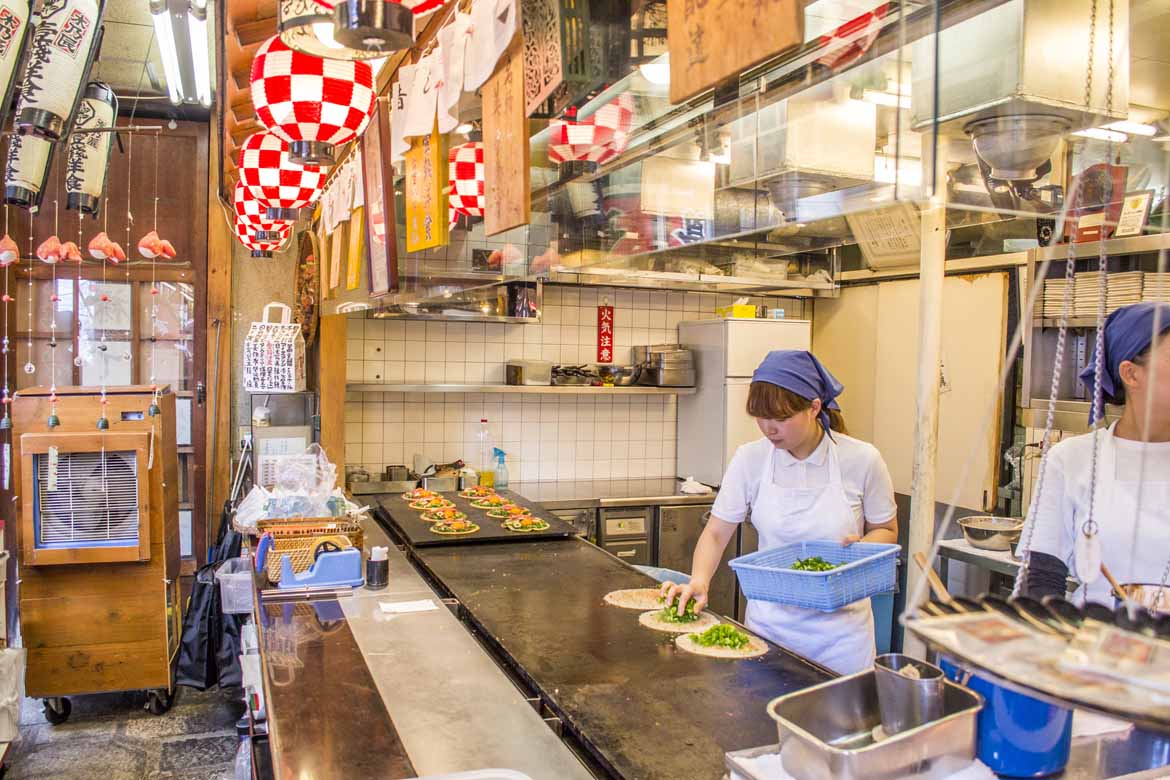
{"points": [[1053, 297], [1086, 294], [1124, 289], [1156, 287]]}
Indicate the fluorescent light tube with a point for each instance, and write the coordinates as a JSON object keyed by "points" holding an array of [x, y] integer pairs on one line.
{"points": [[164, 33], [197, 35], [1133, 128], [1101, 134], [885, 98]]}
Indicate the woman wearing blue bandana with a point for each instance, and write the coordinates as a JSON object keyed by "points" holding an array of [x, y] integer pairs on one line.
{"points": [[1134, 538], [805, 479]]}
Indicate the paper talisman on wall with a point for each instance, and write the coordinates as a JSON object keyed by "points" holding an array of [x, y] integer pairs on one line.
{"points": [[505, 152], [426, 199], [706, 50]]}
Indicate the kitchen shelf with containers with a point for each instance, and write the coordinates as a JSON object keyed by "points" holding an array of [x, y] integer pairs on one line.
{"points": [[1136, 272]]}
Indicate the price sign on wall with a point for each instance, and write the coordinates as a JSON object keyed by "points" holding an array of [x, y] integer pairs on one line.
{"points": [[605, 335]]}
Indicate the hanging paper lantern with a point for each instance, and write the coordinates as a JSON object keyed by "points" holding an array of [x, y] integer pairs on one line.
{"points": [[253, 214], [465, 165], [14, 30], [312, 103], [281, 185], [89, 153], [374, 24], [62, 51], [259, 249], [28, 167], [416, 7], [307, 26]]}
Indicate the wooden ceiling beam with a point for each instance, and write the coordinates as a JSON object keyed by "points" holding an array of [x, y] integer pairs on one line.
{"points": [[242, 106], [242, 75], [241, 130], [254, 32]]}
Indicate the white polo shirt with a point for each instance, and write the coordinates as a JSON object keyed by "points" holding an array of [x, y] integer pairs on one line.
{"points": [[864, 475]]}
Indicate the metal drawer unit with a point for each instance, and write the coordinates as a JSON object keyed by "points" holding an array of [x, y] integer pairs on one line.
{"points": [[583, 519], [626, 533]]}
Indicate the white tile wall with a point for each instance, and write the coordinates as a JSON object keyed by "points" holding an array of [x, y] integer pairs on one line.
{"points": [[546, 437]]}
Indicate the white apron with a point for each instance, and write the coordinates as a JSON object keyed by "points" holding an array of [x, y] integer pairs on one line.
{"points": [[1128, 558], [843, 640]]}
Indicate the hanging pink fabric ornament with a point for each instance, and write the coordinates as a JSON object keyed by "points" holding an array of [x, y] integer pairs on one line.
{"points": [[9, 251], [276, 181], [50, 250], [70, 252], [313, 104], [150, 246], [466, 180]]}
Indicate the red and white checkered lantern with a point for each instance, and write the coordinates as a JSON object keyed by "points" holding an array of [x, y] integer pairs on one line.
{"points": [[252, 213], [245, 235], [313, 104], [467, 180], [599, 139], [419, 7], [277, 182]]}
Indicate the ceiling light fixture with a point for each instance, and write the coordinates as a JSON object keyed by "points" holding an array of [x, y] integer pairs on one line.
{"points": [[1133, 128], [164, 33], [1101, 134], [885, 98], [197, 38]]}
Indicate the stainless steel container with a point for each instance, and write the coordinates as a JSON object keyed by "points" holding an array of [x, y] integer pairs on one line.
{"points": [[385, 486], [992, 533], [827, 733], [907, 699], [667, 366], [441, 484]]}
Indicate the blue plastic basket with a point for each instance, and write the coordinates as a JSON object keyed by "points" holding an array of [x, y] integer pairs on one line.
{"points": [[863, 570]]}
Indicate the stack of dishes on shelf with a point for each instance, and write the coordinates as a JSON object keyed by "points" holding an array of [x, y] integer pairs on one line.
{"points": [[1053, 297], [1156, 287], [1085, 294], [1124, 289]]}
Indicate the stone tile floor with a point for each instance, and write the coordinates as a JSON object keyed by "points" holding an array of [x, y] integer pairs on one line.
{"points": [[112, 737]]}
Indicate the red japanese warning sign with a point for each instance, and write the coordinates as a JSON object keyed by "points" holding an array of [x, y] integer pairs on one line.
{"points": [[605, 334]]}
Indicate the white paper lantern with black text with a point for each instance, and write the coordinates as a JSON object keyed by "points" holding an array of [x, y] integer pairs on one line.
{"points": [[89, 152], [59, 60], [14, 30], [29, 158]]}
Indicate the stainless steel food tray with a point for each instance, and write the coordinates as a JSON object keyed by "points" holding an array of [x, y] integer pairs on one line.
{"points": [[827, 733]]}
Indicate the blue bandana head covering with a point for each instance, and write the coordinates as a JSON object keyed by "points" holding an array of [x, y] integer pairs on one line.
{"points": [[1129, 331], [798, 371]]}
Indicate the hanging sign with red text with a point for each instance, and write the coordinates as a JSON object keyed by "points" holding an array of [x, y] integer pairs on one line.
{"points": [[605, 334]]}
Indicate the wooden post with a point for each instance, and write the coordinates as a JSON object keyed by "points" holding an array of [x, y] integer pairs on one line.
{"points": [[218, 326], [331, 387], [922, 492]]}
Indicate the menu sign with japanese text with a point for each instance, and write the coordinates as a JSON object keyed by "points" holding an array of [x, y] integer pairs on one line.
{"points": [[705, 49], [426, 201], [505, 149], [605, 334]]}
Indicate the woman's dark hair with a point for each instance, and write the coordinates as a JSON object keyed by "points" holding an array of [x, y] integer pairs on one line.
{"points": [[771, 402]]}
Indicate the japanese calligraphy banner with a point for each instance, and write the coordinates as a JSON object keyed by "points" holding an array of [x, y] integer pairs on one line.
{"points": [[505, 148], [705, 49], [605, 334], [426, 197]]}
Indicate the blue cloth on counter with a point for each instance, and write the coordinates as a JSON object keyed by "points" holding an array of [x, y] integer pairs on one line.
{"points": [[798, 371], [1129, 331]]}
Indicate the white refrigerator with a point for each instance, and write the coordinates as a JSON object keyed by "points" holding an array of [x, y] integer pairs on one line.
{"points": [[714, 421]]}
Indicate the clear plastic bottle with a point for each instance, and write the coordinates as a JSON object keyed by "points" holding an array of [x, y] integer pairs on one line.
{"points": [[483, 455], [501, 468]]}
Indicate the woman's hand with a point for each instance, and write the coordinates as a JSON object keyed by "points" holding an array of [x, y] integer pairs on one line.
{"points": [[850, 539], [696, 591]]}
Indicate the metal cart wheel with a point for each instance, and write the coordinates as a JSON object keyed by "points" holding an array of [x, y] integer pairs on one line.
{"points": [[159, 701], [57, 710]]}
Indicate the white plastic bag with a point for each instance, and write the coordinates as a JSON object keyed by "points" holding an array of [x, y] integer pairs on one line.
{"points": [[12, 662], [251, 510]]}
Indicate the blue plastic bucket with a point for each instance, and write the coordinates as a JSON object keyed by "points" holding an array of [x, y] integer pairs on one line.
{"points": [[1019, 736]]}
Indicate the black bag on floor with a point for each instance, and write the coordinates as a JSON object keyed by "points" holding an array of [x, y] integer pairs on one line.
{"points": [[209, 648]]}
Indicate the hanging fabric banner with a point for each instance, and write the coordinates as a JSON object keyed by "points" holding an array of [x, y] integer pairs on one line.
{"points": [[605, 334], [426, 197]]}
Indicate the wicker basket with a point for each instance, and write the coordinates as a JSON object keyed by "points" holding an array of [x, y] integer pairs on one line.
{"points": [[297, 538]]}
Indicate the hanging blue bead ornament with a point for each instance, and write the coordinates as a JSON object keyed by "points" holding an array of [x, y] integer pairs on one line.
{"points": [[103, 424], [54, 421]]}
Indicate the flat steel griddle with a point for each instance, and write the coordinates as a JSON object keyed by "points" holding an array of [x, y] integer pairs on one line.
{"points": [[644, 710], [417, 532]]}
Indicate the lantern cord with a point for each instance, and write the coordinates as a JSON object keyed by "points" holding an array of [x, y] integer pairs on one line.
{"points": [[154, 286]]}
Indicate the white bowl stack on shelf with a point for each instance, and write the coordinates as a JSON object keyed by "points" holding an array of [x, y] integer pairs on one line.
{"points": [[1124, 289], [1156, 287]]}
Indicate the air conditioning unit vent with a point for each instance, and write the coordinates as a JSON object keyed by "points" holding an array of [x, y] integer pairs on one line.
{"points": [[93, 503]]}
